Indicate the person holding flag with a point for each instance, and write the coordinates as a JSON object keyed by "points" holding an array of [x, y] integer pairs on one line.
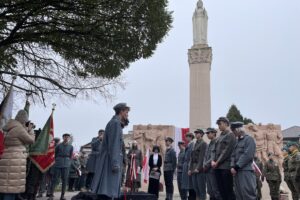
{"points": [[13, 159]]}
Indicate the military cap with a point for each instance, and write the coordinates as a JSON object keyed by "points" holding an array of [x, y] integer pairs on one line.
{"points": [[181, 142], [190, 135], [289, 144], [210, 130], [235, 125], [201, 131], [169, 139], [223, 119], [66, 134], [121, 106], [285, 148]]}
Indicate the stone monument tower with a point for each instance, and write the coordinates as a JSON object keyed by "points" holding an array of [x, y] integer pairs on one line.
{"points": [[200, 57]]}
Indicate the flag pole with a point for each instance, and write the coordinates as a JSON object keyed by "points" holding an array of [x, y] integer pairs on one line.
{"points": [[53, 107]]}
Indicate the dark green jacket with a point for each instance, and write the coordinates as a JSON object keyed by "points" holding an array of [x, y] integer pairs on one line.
{"points": [[63, 155]]}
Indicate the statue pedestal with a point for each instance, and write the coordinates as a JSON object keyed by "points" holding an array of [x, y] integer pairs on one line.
{"points": [[200, 57]]}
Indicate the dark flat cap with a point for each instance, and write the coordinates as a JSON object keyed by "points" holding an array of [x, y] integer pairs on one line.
{"points": [[289, 144], [211, 130], [181, 142], [199, 131], [223, 119], [235, 125], [169, 139], [121, 106], [190, 135], [66, 134]]}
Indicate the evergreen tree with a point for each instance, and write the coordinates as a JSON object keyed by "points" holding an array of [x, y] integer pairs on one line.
{"points": [[234, 114]]}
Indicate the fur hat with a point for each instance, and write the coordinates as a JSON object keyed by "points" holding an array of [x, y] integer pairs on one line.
{"points": [[22, 116]]}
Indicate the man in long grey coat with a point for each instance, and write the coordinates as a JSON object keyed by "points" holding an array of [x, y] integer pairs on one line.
{"points": [[242, 164], [107, 178], [91, 162]]}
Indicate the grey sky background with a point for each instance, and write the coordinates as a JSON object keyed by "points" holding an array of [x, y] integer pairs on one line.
{"points": [[256, 56]]}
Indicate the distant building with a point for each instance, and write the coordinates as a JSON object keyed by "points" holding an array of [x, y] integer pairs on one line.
{"points": [[291, 134]]}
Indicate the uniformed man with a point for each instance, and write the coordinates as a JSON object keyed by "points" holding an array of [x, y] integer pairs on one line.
{"points": [[63, 157], [212, 187], [287, 177], [91, 162], [196, 165], [273, 177], [221, 163], [241, 163], [169, 168], [180, 162], [187, 185], [108, 176], [294, 165], [259, 177]]}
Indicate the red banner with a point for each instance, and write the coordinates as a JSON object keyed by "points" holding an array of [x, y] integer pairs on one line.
{"points": [[44, 162]]}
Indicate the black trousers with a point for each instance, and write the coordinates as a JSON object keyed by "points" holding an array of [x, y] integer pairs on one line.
{"points": [[33, 180], [89, 180], [72, 183], [225, 183], [168, 176], [192, 194]]}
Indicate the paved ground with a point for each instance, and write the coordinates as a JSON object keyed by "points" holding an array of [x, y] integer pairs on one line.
{"points": [[176, 195]]}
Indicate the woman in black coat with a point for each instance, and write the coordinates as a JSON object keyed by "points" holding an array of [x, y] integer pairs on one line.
{"points": [[155, 162]]}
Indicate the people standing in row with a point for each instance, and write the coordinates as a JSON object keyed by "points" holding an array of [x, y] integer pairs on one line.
{"points": [[155, 163], [259, 177], [180, 163], [294, 165], [63, 157], [91, 162], [187, 186], [133, 175], [13, 159], [273, 177], [170, 163], [287, 177], [242, 163], [196, 166], [221, 162], [107, 178], [212, 187]]}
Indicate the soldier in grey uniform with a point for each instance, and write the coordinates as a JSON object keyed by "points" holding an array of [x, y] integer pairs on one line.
{"points": [[212, 187], [287, 177], [186, 185], [241, 163], [273, 177], [196, 165], [294, 165], [169, 168], [63, 157], [91, 162], [109, 164], [221, 163], [180, 162]]}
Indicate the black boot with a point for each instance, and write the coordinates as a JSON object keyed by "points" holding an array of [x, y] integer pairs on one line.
{"points": [[62, 197]]}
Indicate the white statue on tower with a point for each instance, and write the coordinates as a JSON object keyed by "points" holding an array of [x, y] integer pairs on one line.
{"points": [[200, 19]]}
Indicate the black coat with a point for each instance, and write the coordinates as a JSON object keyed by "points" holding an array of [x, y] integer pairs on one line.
{"points": [[158, 165]]}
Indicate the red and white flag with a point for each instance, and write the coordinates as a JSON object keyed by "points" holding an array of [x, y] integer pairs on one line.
{"points": [[146, 166]]}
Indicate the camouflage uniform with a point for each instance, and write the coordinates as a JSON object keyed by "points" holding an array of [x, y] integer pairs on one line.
{"points": [[273, 177], [288, 178], [294, 170]]}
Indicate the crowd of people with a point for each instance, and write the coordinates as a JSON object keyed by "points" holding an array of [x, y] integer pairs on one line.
{"points": [[226, 168]]}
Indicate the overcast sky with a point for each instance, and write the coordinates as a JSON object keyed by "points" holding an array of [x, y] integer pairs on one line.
{"points": [[256, 56]]}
